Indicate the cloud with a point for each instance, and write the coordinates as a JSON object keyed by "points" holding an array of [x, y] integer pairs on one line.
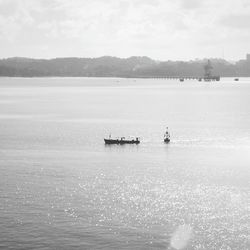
{"points": [[191, 4], [236, 21], [13, 17], [7, 8], [180, 29]]}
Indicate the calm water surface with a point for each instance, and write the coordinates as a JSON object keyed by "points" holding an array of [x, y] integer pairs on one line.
{"points": [[62, 188]]}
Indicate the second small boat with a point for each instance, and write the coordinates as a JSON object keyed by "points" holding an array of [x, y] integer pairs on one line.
{"points": [[167, 136]]}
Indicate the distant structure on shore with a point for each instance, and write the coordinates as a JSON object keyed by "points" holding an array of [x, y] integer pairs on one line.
{"points": [[208, 72], [208, 69]]}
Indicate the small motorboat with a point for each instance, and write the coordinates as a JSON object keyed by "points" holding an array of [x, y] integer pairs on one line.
{"points": [[167, 136], [122, 140]]}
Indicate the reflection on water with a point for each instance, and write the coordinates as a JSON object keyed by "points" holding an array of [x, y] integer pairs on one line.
{"points": [[61, 187]]}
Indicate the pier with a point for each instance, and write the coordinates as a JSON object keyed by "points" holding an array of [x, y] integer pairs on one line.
{"points": [[208, 76], [182, 78]]}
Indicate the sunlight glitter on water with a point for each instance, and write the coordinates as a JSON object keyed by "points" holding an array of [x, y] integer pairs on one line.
{"points": [[61, 187]]}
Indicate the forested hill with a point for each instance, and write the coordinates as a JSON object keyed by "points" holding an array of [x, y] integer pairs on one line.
{"points": [[117, 67]]}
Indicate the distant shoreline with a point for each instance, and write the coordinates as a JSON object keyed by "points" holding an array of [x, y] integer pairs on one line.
{"points": [[132, 67], [114, 77]]}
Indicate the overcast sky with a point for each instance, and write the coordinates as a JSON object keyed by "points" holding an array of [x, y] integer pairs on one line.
{"points": [[160, 29]]}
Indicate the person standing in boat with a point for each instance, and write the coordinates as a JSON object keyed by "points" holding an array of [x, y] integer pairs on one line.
{"points": [[167, 133]]}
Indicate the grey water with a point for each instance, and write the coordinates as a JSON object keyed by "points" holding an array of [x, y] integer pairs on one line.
{"points": [[62, 188]]}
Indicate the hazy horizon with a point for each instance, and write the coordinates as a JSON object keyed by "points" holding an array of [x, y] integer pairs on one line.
{"points": [[160, 29]]}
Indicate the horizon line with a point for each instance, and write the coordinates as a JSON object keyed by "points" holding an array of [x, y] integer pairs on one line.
{"points": [[108, 56]]}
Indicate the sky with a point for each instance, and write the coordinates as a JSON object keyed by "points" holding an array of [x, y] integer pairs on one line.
{"points": [[160, 29]]}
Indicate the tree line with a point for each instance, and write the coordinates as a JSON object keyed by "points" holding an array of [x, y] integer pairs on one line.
{"points": [[118, 67]]}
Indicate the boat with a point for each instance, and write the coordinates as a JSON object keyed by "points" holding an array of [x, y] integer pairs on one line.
{"points": [[236, 79], [167, 136], [122, 140]]}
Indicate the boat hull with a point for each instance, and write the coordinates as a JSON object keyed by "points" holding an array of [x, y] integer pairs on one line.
{"points": [[167, 140], [119, 141]]}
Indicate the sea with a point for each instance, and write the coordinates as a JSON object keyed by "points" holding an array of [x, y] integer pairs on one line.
{"points": [[61, 187]]}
